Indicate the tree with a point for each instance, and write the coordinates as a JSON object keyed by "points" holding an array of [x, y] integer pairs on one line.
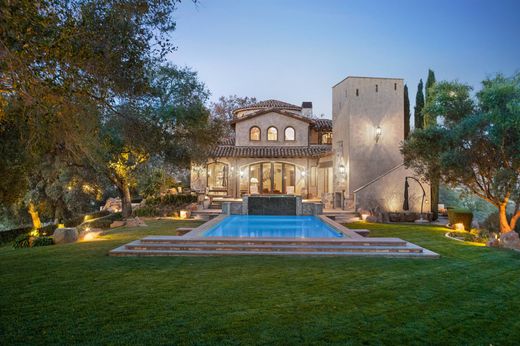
{"points": [[430, 81], [222, 110], [430, 119], [170, 124], [63, 65], [419, 104], [406, 112], [478, 147], [225, 106]]}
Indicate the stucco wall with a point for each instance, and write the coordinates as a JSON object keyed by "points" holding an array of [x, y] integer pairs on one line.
{"points": [[356, 116], [267, 120], [388, 193]]}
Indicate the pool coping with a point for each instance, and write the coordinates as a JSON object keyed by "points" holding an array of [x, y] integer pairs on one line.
{"points": [[199, 231]]}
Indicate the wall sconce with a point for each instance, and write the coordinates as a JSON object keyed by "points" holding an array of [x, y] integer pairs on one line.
{"points": [[342, 169], [241, 174], [303, 173], [379, 132]]}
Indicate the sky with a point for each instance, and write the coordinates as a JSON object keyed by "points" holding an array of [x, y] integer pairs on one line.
{"points": [[296, 51]]}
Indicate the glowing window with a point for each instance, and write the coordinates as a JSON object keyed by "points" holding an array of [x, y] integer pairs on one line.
{"points": [[254, 134], [272, 134], [290, 135]]}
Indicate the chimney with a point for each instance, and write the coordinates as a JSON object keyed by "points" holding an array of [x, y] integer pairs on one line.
{"points": [[307, 109]]}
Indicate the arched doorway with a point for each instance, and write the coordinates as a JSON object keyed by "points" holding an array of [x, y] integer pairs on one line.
{"points": [[217, 174]]}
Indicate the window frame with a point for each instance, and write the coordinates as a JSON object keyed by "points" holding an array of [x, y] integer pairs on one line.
{"points": [[259, 134], [285, 134], [276, 129]]}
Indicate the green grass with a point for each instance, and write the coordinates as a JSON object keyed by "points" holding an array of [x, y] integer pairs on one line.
{"points": [[75, 293]]}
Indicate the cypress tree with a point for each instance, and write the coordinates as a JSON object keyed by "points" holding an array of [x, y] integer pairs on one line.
{"points": [[406, 112], [419, 105], [430, 81], [431, 120]]}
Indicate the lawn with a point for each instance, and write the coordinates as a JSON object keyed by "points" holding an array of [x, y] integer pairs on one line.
{"points": [[77, 294]]}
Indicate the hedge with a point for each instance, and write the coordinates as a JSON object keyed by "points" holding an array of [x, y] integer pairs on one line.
{"points": [[11, 234], [464, 216]]}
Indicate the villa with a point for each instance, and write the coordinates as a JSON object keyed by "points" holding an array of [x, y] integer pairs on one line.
{"points": [[350, 162]]}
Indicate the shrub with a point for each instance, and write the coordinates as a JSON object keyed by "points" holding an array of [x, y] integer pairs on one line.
{"points": [[11, 234], [73, 222], [166, 205], [467, 236], [148, 211], [47, 230], [463, 216], [42, 241], [22, 241], [102, 222], [96, 215]]}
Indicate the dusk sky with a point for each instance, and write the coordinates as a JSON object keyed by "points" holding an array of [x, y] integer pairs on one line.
{"points": [[297, 50]]}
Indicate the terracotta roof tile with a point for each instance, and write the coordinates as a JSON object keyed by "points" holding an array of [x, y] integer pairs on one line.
{"points": [[271, 151], [322, 124], [275, 104]]}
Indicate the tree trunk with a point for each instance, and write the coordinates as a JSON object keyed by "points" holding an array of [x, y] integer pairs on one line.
{"points": [[126, 200], [434, 196], [37, 224], [504, 224]]}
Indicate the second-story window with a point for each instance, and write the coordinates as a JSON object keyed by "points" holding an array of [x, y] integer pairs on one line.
{"points": [[326, 138], [290, 134], [272, 134], [254, 134]]}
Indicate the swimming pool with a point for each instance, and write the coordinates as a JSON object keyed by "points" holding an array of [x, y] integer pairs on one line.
{"points": [[272, 227]]}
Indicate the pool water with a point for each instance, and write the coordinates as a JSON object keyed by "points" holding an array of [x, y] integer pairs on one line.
{"points": [[272, 227]]}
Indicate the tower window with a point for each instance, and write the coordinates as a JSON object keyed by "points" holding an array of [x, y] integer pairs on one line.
{"points": [[395, 86], [377, 88], [357, 92]]}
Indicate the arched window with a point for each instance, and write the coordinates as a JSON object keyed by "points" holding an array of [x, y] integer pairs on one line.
{"points": [[290, 135], [254, 134], [272, 134]]}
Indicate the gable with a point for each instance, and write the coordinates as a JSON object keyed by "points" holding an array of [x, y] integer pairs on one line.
{"points": [[267, 111]]}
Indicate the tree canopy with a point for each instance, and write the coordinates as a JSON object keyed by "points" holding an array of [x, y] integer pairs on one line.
{"points": [[478, 147], [84, 90]]}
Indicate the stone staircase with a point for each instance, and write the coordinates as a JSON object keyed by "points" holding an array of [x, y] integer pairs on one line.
{"points": [[205, 214], [342, 216], [215, 246]]}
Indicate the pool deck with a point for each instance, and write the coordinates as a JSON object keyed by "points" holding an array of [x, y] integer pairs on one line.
{"points": [[194, 243]]}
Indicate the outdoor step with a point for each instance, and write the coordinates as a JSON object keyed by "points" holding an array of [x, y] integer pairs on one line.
{"points": [[122, 251], [245, 247], [275, 241]]}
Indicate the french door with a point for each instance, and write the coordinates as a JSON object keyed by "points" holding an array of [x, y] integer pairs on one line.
{"points": [[272, 178]]}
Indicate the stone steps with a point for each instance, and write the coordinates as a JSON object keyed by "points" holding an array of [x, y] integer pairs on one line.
{"points": [[213, 246], [276, 241], [343, 216], [248, 247]]}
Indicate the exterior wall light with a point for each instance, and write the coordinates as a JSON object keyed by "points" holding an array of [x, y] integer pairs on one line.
{"points": [[379, 132], [342, 169]]}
